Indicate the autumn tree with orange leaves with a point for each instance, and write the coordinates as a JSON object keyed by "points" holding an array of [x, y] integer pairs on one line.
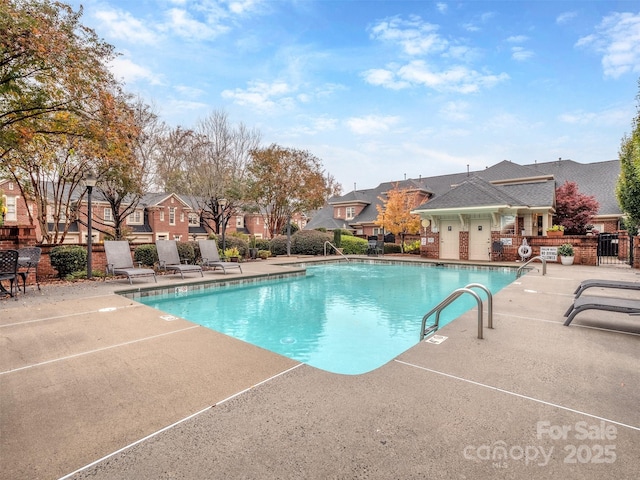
{"points": [[62, 112], [394, 215], [283, 181]]}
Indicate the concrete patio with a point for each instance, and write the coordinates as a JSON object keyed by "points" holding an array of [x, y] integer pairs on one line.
{"points": [[94, 385]]}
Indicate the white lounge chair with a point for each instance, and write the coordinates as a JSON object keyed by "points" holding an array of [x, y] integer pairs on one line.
{"points": [[120, 262], [211, 257], [170, 260]]}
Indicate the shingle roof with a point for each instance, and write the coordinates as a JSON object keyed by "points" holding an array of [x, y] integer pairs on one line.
{"points": [[597, 179], [473, 192]]}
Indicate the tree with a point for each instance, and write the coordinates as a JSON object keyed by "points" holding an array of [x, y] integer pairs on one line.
{"points": [[283, 181], [574, 210], [628, 187], [220, 171], [62, 113], [395, 216], [123, 173], [52, 71]]}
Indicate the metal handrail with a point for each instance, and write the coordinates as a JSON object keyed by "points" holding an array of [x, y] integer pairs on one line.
{"points": [[544, 265], [335, 248], [489, 302], [447, 301]]}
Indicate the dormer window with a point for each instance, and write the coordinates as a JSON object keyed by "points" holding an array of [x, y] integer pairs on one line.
{"points": [[350, 212]]}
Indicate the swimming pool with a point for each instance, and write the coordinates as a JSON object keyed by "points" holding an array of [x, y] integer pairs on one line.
{"points": [[347, 318]]}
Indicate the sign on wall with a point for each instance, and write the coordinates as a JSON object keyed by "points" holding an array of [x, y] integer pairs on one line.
{"points": [[550, 254]]}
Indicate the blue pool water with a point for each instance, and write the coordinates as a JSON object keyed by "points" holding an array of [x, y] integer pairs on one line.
{"points": [[343, 318]]}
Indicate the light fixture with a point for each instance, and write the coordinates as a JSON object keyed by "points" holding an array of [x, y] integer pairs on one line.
{"points": [[90, 181]]}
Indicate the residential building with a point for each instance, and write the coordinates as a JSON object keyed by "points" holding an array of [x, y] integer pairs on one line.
{"points": [[464, 213]]}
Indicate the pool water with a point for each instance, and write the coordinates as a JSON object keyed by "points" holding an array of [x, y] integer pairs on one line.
{"points": [[343, 318]]}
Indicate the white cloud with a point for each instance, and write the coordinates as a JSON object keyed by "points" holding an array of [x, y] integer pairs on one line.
{"points": [[181, 23], [371, 124], [415, 36], [517, 39], [129, 72], [617, 38], [565, 17], [521, 54], [456, 111], [240, 7], [455, 79], [442, 7], [122, 26], [262, 95], [188, 91], [384, 78]]}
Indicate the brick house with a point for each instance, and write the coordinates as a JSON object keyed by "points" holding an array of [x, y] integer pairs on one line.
{"points": [[463, 214]]}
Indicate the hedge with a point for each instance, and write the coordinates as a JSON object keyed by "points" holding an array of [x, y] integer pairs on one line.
{"points": [[67, 259]]}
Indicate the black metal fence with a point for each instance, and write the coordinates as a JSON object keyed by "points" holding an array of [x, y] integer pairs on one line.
{"points": [[615, 248]]}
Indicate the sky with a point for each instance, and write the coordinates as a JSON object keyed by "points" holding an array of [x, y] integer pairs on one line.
{"points": [[386, 90]]}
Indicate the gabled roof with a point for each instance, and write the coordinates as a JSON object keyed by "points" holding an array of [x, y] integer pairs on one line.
{"points": [[597, 179], [506, 170], [324, 218], [472, 193], [155, 199], [352, 197]]}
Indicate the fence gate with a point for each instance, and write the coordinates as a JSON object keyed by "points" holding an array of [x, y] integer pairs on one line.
{"points": [[615, 248]]}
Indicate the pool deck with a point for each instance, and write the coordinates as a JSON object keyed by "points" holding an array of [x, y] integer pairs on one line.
{"points": [[94, 385]]}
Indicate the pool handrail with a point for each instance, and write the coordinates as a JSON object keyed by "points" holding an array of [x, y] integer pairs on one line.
{"points": [[544, 265], [447, 301], [335, 248]]}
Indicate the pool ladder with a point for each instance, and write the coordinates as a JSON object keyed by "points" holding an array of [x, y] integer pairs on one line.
{"points": [[424, 330], [335, 248], [521, 267]]}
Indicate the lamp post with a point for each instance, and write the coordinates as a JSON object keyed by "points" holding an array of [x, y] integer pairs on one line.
{"points": [[223, 203], [90, 181]]}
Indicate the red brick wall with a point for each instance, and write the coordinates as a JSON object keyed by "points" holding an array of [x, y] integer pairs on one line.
{"points": [[431, 250], [464, 245]]}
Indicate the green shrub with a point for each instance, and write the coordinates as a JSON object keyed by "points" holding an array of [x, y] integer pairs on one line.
{"points": [[82, 274], [412, 247], [392, 248], [263, 244], [186, 252], [279, 245], [235, 241], [309, 242], [67, 259], [337, 238], [354, 245], [264, 254], [146, 255]]}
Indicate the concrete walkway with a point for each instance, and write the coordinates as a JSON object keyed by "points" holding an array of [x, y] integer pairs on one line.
{"points": [[89, 376]]}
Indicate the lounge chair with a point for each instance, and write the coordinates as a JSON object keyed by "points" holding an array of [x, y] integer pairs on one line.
{"points": [[211, 257], [28, 258], [610, 304], [120, 262], [9, 271], [605, 284], [170, 260]]}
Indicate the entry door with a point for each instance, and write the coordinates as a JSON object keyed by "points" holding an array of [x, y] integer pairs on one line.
{"points": [[479, 239], [450, 239]]}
